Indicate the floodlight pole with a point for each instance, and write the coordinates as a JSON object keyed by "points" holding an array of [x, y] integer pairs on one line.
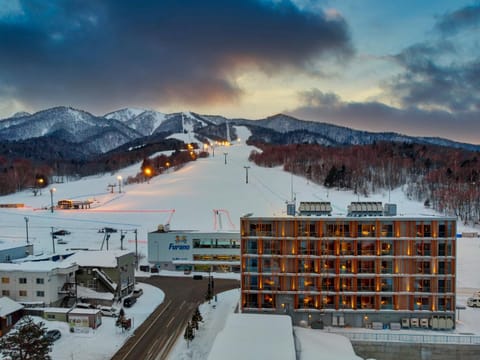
{"points": [[52, 190], [136, 249], [119, 178], [246, 174]]}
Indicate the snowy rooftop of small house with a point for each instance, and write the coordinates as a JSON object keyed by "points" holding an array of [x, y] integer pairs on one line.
{"points": [[251, 336], [8, 306], [58, 310], [34, 266], [84, 311], [100, 258], [41, 257]]}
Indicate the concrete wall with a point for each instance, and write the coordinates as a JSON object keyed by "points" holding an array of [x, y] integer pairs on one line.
{"points": [[395, 351]]}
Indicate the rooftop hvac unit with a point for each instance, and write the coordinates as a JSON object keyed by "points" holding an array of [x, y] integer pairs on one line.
{"points": [[291, 208], [390, 210]]}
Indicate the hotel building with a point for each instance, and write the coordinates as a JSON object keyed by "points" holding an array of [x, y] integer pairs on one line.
{"points": [[368, 268]]}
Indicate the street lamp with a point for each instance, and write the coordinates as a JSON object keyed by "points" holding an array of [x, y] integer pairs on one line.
{"points": [[119, 178], [148, 172], [52, 190]]}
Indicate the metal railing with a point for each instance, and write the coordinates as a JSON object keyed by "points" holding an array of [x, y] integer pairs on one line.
{"points": [[410, 338]]}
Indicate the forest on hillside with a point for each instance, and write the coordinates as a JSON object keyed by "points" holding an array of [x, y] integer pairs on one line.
{"points": [[20, 173], [446, 179]]}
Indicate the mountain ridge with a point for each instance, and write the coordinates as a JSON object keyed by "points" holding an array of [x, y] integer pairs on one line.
{"points": [[101, 134]]}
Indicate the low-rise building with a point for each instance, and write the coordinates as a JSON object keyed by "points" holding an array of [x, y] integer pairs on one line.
{"points": [[106, 271], [39, 283], [187, 250]]}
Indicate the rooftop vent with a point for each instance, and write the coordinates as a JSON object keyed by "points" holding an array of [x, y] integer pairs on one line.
{"points": [[315, 208], [367, 208]]}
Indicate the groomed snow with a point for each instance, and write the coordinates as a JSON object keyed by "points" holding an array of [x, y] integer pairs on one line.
{"points": [[252, 336], [187, 198]]}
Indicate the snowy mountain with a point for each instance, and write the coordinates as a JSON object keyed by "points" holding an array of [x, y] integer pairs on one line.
{"points": [[289, 130], [96, 134]]}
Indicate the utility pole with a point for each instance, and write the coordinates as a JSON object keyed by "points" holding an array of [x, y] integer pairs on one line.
{"points": [[246, 174], [26, 227], [53, 240], [122, 236], [225, 157], [136, 250]]}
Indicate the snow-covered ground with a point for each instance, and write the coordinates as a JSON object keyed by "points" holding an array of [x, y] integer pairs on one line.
{"points": [[186, 198]]}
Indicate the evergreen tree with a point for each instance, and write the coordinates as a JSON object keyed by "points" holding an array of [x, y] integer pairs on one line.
{"points": [[28, 342], [189, 334], [198, 317]]}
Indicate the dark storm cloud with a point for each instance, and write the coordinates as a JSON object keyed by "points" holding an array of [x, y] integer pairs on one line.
{"points": [[427, 82], [455, 21], [378, 117], [437, 74], [104, 54]]}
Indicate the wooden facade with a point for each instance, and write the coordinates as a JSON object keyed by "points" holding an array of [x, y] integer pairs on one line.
{"points": [[366, 264]]}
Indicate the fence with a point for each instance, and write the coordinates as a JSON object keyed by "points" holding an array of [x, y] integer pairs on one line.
{"points": [[410, 338]]}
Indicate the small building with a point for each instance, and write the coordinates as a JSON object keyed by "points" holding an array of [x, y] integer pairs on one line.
{"points": [[56, 313], [10, 252], [106, 271], [10, 313], [82, 319], [186, 250], [74, 204]]}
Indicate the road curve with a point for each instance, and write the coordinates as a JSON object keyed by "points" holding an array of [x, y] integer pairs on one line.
{"points": [[154, 339]]}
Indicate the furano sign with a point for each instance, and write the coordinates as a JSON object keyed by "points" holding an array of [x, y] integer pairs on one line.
{"points": [[173, 246]]}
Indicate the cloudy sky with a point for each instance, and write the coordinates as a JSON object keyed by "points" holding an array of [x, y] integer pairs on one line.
{"points": [[406, 66]]}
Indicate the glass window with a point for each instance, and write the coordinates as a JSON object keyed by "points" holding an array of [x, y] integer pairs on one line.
{"points": [[22, 280], [5, 280], [22, 292], [5, 292], [40, 293], [40, 281]]}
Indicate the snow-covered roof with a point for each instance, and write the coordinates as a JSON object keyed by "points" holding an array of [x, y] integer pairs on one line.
{"points": [[58, 310], [100, 258], [5, 245], [201, 262], [38, 266], [80, 311], [8, 306], [254, 336], [84, 292]]}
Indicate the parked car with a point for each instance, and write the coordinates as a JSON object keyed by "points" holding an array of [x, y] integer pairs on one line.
{"points": [[137, 292], [109, 311], [473, 302], [129, 301], [61, 232], [84, 306], [53, 335], [107, 230]]}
